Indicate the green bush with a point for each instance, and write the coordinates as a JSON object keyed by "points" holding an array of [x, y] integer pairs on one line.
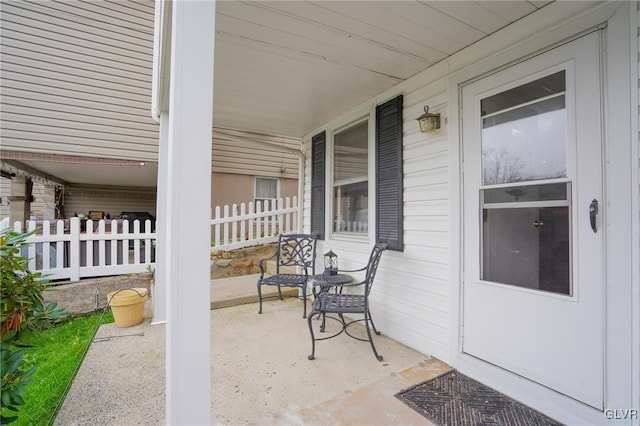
{"points": [[22, 311]]}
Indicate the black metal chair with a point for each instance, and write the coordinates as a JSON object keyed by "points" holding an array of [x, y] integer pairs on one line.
{"points": [[339, 303], [295, 251]]}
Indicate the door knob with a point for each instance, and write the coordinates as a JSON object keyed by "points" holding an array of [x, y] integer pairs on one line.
{"points": [[593, 213]]}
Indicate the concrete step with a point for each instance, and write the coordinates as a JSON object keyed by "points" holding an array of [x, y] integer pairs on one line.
{"points": [[233, 291]]}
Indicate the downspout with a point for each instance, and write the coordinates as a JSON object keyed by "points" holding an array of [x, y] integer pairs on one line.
{"points": [[160, 78], [301, 161]]}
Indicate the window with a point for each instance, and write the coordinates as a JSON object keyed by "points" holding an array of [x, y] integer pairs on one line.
{"points": [[350, 184], [266, 189], [351, 179], [526, 196]]}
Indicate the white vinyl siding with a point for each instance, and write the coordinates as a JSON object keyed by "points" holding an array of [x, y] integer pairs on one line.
{"points": [[72, 85], [237, 152], [410, 299], [112, 200]]}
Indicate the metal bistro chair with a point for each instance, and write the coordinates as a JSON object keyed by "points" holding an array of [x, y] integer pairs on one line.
{"points": [[341, 303], [293, 250]]}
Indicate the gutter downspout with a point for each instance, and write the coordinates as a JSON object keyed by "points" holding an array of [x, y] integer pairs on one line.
{"points": [[161, 59], [301, 161]]}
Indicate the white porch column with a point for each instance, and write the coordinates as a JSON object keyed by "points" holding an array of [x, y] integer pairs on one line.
{"points": [[188, 214]]}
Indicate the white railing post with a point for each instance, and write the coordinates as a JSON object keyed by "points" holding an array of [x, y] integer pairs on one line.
{"points": [[258, 220], [125, 242], [226, 225], [102, 255], [31, 248], [114, 242], [216, 235], [234, 224], [46, 245], [74, 250], [88, 244], [243, 222], [250, 221], [147, 243], [60, 245], [286, 225], [136, 242]]}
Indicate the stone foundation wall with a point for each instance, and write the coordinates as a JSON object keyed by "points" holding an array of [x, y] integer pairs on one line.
{"points": [[238, 262]]}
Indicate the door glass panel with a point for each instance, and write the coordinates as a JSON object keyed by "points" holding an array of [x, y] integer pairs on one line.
{"points": [[526, 231], [524, 132], [527, 247]]}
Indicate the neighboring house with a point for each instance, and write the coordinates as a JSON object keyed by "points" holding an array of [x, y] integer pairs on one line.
{"points": [[79, 74]]}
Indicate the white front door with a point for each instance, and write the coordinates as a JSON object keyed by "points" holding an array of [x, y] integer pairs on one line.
{"points": [[533, 246]]}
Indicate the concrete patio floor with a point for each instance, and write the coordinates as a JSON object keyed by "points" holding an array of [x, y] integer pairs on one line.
{"points": [[259, 371]]}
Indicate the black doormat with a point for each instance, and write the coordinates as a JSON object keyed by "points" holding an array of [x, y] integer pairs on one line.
{"points": [[454, 399]]}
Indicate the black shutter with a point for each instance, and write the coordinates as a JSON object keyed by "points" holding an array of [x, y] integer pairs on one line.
{"points": [[389, 174], [318, 151]]}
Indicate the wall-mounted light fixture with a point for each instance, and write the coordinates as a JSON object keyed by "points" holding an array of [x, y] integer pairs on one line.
{"points": [[428, 122]]}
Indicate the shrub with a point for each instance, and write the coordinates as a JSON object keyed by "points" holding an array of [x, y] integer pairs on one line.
{"points": [[22, 311]]}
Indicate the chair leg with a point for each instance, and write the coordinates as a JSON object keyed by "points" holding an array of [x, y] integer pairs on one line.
{"points": [[260, 296], [280, 292], [373, 325], [366, 321], [304, 301], [313, 340]]}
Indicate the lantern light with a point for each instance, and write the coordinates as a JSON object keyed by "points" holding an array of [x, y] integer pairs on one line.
{"points": [[330, 263], [428, 122]]}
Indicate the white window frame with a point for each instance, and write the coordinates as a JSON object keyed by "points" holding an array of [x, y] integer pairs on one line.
{"points": [[255, 188], [363, 114]]}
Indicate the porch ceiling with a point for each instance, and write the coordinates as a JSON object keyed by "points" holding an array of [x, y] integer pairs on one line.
{"points": [[287, 67]]}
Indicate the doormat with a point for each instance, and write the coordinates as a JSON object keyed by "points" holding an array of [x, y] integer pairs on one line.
{"points": [[454, 399]]}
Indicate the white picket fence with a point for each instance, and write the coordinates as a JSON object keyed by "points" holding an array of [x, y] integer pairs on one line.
{"points": [[73, 249], [253, 223], [89, 249]]}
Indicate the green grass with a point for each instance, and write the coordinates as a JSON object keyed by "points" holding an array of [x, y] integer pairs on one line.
{"points": [[57, 352]]}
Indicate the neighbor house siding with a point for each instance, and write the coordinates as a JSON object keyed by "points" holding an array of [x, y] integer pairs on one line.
{"points": [[254, 154], [82, 199], [72, 85], [229, 189]]}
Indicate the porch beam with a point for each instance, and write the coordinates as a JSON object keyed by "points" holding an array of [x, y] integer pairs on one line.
{"points": [[188, 214]]}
